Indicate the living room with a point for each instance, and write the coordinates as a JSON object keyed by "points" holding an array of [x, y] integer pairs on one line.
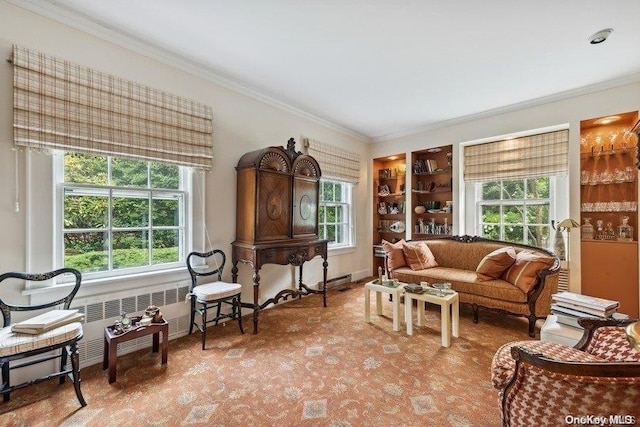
{"points": [[244, 123]]}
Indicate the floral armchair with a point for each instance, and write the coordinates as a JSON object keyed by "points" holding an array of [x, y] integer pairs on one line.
{"points": [[549, 384]]}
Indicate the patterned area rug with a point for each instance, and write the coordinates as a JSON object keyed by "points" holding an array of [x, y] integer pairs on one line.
{"points": [[308, 366]]}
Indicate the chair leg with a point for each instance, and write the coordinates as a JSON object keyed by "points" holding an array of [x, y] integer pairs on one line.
{"points": [[237, 310], [193, 313], [75, 371], [5, 379], [63, 364], [203, 317], [218, 312]]}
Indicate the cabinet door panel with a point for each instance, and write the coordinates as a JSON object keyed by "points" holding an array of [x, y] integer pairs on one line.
{"points": [[305, 208], [274, 207]]}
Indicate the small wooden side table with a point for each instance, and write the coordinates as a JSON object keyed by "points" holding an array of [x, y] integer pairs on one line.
{"points": [[111, 341]]}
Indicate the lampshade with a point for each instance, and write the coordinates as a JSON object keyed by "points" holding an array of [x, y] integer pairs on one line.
{"points": [[568, 223]]}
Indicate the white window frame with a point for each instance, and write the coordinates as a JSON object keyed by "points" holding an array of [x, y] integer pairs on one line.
{"points": [[186, 190], [558, 205], [347, 203]]}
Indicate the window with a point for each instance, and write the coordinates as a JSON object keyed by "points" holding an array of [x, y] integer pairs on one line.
{"points": [[517, 210], [335, 213], [119, 216]]}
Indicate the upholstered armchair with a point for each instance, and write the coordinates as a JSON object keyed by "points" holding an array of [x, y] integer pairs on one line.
{"points": [[548, 384]]}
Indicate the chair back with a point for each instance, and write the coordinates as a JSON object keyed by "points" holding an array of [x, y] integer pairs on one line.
{"points": [[202, 264], [7, 308]]}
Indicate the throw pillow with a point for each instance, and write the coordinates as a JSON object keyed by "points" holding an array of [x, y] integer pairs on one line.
{"points": [[523, 273], [418, 256], [395, 256], [494, 264]]}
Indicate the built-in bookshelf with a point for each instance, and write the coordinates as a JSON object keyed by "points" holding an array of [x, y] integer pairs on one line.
{"points": [[431, 192], [389, 210]]}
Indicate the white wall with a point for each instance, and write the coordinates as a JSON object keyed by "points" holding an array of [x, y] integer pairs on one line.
{"points": [[241, 124], [568, 111]]}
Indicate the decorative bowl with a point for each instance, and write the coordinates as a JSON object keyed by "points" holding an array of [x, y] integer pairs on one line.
{"points": [[419, 209]]}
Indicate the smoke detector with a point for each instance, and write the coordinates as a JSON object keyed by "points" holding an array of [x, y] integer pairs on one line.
{"points": [[600, 36]]}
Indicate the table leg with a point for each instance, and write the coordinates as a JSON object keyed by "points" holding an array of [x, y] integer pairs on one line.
{"points": [[420, 307], [445, 324], [367, 304], [165, 343], [408, 316], [325, 264], [113, 355], [378, 303], [156, 342], [455, 308], [396, 313], [256, 300], [105, 354]]}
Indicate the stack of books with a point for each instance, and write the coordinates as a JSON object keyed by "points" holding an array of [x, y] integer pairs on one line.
{"points": [[568, 307], [47, 321]]}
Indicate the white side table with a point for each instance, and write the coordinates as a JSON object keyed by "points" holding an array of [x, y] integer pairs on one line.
{"points": [[379, 290], [449, 313]]}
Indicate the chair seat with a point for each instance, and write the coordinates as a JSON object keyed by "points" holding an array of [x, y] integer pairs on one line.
{"points": [[216, 290], [12, 343]]}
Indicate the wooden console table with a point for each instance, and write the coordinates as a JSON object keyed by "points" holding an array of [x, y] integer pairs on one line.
{"points": [[284, 253]]}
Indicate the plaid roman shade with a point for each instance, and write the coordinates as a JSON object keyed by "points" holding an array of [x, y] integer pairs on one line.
{"points": [[61, 105], [335, 163], [532, 156]]}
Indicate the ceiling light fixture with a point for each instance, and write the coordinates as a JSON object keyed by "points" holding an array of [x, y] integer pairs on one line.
{"points": [[392, 157], [606, 120], [600, 36]]}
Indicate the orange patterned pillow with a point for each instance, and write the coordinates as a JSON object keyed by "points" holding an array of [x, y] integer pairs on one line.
{"points": [[494, 264], [523, 272], [418, 256], [395, 256]]}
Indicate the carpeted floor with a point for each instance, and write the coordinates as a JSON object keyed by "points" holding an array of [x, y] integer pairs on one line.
{"points": [[308, 366]]}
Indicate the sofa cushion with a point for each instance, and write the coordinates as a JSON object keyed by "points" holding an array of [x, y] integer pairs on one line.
{"points": [[465, 282], [495, 263], [418, 256], [524, 271], [395, 255]]}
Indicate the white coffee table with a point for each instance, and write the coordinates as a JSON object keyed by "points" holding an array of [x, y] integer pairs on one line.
{"points": [[379, 290], [449, 313]]}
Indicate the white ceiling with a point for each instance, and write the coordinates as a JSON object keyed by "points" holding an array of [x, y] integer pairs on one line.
{"points": [[379, 68]]}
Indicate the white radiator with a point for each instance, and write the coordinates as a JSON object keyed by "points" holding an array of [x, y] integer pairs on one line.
{"points": [[337, 281], [103, 310]]}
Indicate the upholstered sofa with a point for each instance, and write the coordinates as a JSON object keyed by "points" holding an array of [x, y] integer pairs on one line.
{"points": [[476, 269], [548, 384]]}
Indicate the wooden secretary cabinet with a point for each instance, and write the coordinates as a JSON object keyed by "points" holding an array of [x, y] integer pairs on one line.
{"points": [[277, 217]]}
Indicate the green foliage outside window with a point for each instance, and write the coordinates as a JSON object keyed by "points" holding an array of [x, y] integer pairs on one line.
{"points": [[516, 211], [124, 211], [333, 218]]}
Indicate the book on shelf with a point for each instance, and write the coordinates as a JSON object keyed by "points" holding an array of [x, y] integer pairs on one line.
{"points": [[585, 301], [47, 321]]}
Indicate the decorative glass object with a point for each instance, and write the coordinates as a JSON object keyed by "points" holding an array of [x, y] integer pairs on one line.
{"points": [[625, 231], [586, 230]]}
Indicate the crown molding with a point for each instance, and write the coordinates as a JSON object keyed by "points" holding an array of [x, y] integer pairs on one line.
{"points": [[87, 24], [584, 90], [90, 25]]}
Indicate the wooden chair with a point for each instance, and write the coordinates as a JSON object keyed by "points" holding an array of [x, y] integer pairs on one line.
{"points": [[211, 295], [541, 383], [60, 342]]}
